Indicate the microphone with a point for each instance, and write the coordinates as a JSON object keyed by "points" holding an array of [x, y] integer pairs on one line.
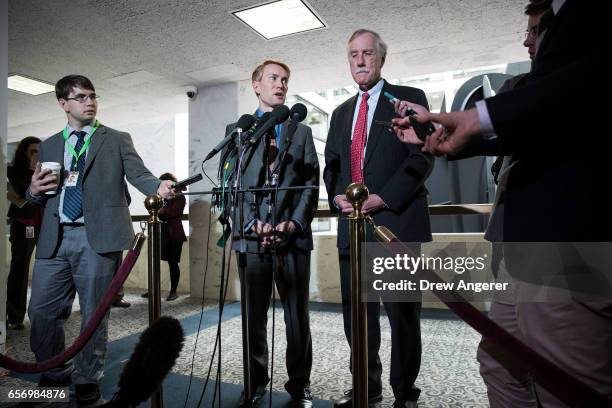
{"points": [[298, 112], [184, 183], [244, 123], [278, 115], [152, 359]]}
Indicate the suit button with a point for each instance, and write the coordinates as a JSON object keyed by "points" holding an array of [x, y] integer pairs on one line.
{"points": [[55, 214]]}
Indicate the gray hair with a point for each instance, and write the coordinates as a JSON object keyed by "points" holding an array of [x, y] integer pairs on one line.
{"points": [[380, 44]]}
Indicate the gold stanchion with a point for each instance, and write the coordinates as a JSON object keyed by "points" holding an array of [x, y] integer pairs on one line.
{"points": [[153, 204], [357, 194]]}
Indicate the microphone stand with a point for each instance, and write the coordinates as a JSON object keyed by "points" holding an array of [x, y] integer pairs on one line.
{"points": [[239, 192]]}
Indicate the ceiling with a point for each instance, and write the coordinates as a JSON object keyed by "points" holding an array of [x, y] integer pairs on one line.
{"points": [[141, 53]]}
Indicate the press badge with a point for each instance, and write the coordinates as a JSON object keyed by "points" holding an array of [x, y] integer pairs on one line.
{"points": [[29, 231], [72, 178]]}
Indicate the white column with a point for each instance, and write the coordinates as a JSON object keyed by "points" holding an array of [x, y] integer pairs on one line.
{"points": [[209, 112]]}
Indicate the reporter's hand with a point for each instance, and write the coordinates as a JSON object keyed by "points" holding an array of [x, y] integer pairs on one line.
{"points": [[42, 181], [165, 190], [401, 107], [343, 204], [458, 128], [405, 132], [372, 204]]}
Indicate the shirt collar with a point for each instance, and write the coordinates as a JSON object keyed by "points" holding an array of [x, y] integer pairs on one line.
{"points": [[374, 92], [87, 129]]}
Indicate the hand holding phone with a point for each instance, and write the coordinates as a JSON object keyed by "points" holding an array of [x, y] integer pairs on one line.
{"points": [[422, 130]]}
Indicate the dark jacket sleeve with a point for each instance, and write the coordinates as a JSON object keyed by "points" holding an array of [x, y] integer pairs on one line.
{"points": [[410, 175], [304, 212], [331, 173]]}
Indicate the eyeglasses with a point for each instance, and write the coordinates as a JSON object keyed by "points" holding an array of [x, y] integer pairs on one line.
{"points": [[532, 32], [81, 98]]}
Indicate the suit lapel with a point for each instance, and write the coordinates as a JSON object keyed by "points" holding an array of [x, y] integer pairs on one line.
{"points": [[56, 149], [383, 111], [347, 135], [97, 140]]}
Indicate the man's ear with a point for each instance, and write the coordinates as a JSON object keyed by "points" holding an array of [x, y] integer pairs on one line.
{"points": [[63, 104], [256, 87]]}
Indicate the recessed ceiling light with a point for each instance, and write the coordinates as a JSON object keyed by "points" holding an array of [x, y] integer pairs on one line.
{"points": [[280, 18], [22, 83]]}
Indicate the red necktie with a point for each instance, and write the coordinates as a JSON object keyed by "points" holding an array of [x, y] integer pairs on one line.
{"points": [[360, 136]]}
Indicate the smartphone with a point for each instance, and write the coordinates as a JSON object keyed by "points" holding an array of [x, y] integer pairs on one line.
{"points": [[422, 130]]}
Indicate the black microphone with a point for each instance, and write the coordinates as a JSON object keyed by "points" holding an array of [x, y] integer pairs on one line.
{"points": [[180, 185], [298, 112], [244, 123], [154, 356], [278, 115]]}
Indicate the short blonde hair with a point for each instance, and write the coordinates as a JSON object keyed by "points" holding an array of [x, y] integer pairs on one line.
{"points": [[258, 72]]}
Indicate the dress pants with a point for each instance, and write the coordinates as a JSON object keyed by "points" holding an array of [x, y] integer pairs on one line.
{"points": [[292, 283], [405, 321], [575, 335], [76, 268], [17, 282]]}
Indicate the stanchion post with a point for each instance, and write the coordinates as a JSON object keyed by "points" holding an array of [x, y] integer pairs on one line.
{"points": [[357, 194], [153, 204]]}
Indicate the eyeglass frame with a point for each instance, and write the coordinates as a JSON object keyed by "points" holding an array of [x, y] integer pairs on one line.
{"points": [[532, 32], [82, 98]]}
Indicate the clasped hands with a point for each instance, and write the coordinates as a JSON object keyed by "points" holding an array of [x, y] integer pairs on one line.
{"points": [[269, 235], [372, 204]]}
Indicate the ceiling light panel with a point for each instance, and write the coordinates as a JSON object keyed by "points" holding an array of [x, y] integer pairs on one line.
{"points": [[280, 18]]}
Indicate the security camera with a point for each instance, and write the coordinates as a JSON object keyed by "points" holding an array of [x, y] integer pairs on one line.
{"points": [[191, 91]]}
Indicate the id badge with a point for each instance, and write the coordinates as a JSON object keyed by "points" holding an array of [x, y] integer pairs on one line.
{"points": [[29, 231], [72, 179]]}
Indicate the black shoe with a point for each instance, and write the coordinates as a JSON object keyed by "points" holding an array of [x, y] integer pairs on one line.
{"points": [[172, 296], [347, 400], [87, 394], [405, 404], [16, 326], [145, 295], [49, 382], [258, 394], [302, 399], [121, 303]]}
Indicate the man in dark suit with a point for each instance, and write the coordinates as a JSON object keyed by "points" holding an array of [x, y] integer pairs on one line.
{"points": [[86, 225], [360, 150], [278, 234], [553, 194]]}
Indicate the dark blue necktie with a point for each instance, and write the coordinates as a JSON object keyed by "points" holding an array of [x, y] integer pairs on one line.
{"points": [[73, 207]]}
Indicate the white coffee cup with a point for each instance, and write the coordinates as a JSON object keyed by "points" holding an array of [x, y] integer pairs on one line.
{"points": [[55, 168]]}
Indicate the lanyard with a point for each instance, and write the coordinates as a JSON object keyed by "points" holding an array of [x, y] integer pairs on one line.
{"points": [[85, 145]]}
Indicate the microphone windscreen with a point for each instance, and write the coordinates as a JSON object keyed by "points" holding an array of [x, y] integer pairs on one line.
{"points": [[298, 112], [153, 357], [280, 113], [245, 122]]}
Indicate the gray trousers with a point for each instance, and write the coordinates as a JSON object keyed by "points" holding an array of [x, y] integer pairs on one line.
{"points": [[577, 336], [76, 268]]}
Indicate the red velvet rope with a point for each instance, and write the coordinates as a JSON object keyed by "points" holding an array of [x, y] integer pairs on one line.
{"points": [[546, 373], [87, 332]]}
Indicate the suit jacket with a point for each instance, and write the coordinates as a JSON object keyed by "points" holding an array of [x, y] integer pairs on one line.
{"points": [[110, 159], [394, 170], [300, 166], [172, 214], [554, 192]]}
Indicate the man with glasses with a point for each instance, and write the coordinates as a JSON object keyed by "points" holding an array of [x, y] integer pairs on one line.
{"points": [[86, 226]]}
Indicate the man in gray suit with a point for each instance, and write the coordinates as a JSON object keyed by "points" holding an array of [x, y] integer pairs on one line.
{"points": [[291, 159], [86, 226]]}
